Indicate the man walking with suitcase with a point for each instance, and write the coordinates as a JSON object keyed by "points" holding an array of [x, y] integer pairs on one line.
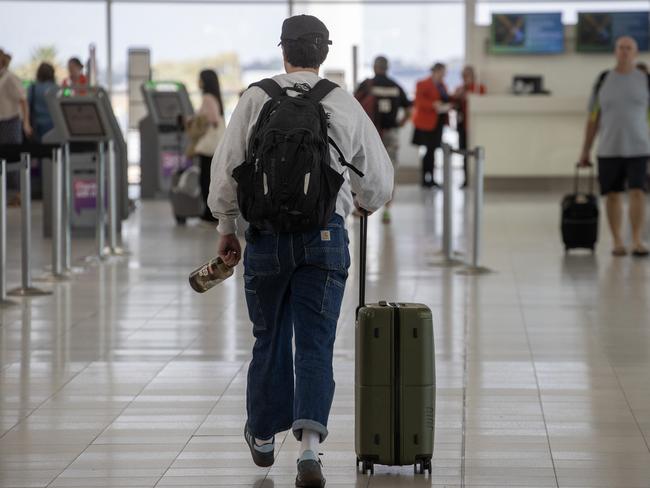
{"points": [[295, 135], [619, 111]]}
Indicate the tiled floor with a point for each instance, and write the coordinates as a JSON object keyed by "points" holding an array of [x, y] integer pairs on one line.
{"points": [[127, 378]]}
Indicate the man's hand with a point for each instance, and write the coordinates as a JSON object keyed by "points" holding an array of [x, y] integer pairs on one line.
{"points": [[584, 160], [229, 249], [359, 208]]}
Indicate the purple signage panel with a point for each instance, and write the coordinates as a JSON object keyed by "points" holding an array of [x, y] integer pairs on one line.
{"points": [[84, 194]]}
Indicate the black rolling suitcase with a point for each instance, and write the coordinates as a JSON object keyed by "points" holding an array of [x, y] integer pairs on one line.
{"points": [[580, 217], [394, 381]]}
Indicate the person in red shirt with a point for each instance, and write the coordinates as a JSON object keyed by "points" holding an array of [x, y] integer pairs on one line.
{"points": [[429, 118], [462, 115], [76, 77]]}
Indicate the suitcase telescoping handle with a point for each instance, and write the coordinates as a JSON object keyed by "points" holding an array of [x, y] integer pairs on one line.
{"points": [[363, 247], [577, 177]]}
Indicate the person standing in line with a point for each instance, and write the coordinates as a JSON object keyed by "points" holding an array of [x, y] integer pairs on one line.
{"points": [[37, 96], [212, 112], [382, 98], [462, 115], [429, 118], [14, 109], [14, 118], [76, 77], [294, 281], [618, 110], [41, 121]]}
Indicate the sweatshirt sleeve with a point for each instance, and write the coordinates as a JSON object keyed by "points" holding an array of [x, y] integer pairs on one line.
{"points": [[375, 188], [231, 152]]}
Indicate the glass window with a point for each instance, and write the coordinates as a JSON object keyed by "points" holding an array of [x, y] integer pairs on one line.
{"points": [[186, 38], [52, 31], [412, 36]]}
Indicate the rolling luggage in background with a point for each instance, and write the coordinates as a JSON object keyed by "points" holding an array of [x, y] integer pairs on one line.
{"points": [[394, 381], [580, 217], [185, 194]]}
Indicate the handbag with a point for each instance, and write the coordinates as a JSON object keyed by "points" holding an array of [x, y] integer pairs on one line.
{"points": [[209, 141]]}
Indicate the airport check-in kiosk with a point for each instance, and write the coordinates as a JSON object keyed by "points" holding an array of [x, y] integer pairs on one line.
{"points": [[162, 135], [84, 119]]}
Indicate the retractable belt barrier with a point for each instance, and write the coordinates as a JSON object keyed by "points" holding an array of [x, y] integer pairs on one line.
{"points": [[478, 156]]}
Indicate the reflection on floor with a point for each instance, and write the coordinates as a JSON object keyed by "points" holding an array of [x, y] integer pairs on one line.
{"points": [[125, 377]]}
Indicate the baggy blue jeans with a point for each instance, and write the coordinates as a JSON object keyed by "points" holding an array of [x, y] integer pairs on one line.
{"points": [[294, 283]]}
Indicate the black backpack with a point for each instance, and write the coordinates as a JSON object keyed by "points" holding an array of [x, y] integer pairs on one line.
{"points": [[286, 183]]}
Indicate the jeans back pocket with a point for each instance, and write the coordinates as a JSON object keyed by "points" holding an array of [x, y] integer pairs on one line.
{"points": [[327, 248]]}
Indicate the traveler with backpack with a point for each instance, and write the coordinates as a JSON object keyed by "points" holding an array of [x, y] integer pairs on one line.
{"points": [[294, 151], [618, 110], [382, 98]]}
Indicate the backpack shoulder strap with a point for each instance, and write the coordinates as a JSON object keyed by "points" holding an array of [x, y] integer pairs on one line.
{"points": [[321, 90], [270, 87], [342, 159], [601, 80]]}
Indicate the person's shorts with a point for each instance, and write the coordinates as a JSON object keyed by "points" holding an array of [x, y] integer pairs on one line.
{"points": [[618, 174]]}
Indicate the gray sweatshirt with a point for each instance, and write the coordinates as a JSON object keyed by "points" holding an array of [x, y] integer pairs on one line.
{"points": [[350, 128]]}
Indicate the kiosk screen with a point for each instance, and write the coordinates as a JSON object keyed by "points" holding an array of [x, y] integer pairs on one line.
{"points": [[168, 106], [82, 119]]}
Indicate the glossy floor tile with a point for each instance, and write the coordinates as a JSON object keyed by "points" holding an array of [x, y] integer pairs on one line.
{"points": [[125, 377]]}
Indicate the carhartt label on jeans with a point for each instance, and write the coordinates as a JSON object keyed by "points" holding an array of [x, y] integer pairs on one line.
{"points": [[325, 235]]}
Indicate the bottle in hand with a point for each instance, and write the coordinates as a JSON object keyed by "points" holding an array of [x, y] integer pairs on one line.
{"points": [[210, 274]]}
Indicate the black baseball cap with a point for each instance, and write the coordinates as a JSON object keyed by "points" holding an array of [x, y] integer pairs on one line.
{"points": [[303, 26]]}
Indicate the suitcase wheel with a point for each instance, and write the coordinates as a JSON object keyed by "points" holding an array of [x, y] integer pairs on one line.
{"points": [[422, 465], [181, 220], [368, 467]]}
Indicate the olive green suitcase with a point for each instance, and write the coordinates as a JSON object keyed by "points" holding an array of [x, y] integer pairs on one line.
{"points": [[394, 382]]}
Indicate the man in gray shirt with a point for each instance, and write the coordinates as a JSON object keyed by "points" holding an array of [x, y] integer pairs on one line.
{"points": [[294, 281], [619, 114]]}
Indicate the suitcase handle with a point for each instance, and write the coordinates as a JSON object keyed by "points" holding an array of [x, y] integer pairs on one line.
{"points": [[363, 244], [577, 177]]}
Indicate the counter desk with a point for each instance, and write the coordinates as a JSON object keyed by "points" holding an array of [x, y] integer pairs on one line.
{"points": [[535, 136]]}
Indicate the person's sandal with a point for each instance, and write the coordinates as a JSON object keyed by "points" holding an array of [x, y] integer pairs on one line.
{"points": [[640, 252], [619, 252], [263, 455]]}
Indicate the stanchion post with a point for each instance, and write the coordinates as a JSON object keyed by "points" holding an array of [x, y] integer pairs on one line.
{"points": [[57, 218], [474, 267], [100, 228], [26, 288], [3, 236], [479, 155], [447, 203], [57, 215], [67, 209], [114, 220], [447, 211]]}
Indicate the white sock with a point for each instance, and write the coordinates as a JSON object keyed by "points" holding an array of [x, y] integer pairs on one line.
{"points": [[310, 442], [261, 442]]}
